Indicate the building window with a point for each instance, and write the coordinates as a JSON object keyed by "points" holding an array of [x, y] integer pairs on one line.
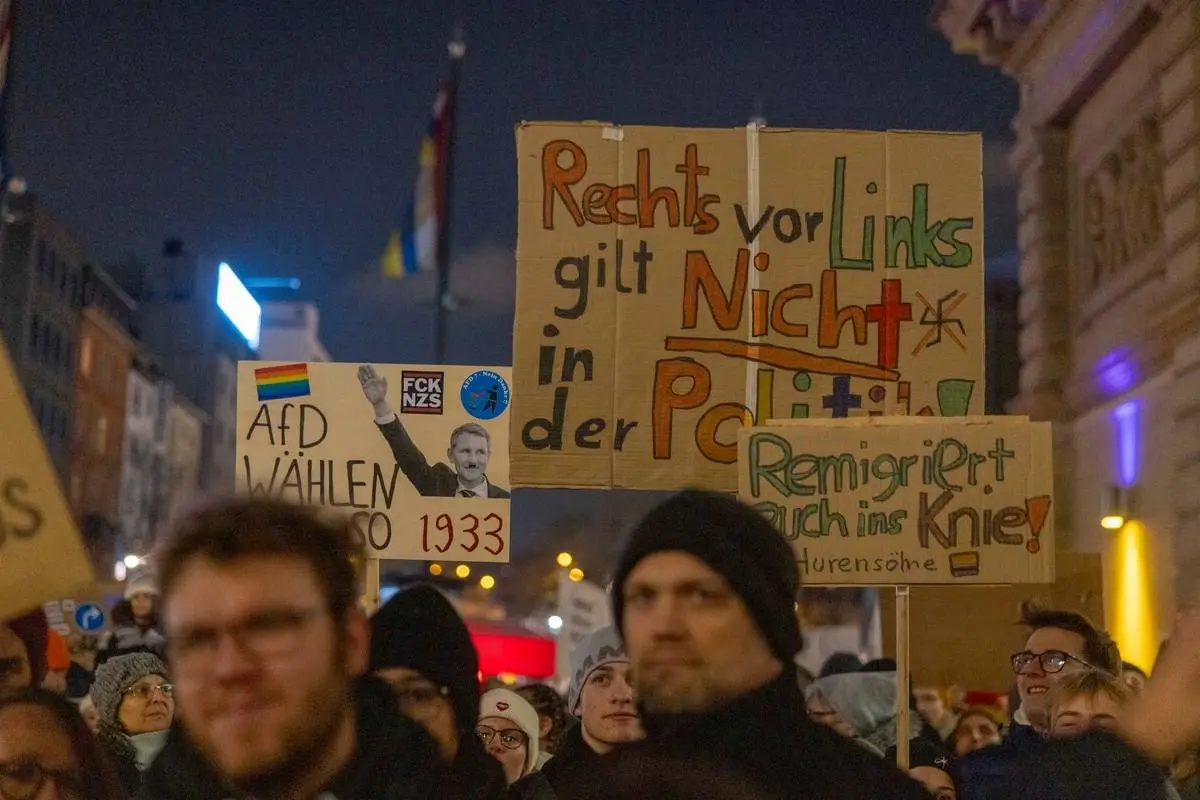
{"points": [[85, 356]]}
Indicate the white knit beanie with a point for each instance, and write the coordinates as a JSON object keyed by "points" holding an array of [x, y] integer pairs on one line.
{"points": [[142, 583], [601, 647], [514, 708]]}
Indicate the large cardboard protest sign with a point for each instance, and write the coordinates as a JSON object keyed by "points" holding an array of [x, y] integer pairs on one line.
{"points": [[417, 455], [41, 555], [896, 501], [584, 608], [674, 284]]}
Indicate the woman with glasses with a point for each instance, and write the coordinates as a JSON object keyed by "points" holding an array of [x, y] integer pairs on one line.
{"points": [[508, 728], [47, 751], [423, 650], [136, 705]]}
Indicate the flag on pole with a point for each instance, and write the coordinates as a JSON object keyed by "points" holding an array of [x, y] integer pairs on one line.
{"points": [[7, 10], [415, 247]]}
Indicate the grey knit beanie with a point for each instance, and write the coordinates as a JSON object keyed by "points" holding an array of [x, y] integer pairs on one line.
{"points": [[116, 675]]}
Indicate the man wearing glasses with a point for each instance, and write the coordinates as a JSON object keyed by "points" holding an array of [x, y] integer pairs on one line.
{"points": [[1059, 644], [267, 649]]}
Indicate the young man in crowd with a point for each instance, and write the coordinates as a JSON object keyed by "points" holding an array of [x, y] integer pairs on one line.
{"points": [[705, 599], [268, 648], [601, 696], [1059, 644]]}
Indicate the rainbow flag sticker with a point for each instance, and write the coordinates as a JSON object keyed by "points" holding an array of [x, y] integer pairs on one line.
{"points": [[279, 383]]}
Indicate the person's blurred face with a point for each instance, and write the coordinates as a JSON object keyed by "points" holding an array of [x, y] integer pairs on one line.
{"points": [[55, 681], [1034, 682], [821, 712], [262, 668], [935, 781], [975, 732], [1075, 715], [15, 672], [36, 759], [690, 638], [147, 706], [930, 705], [424, 702], [90, 716], [506, 743], [607, 712], [142, 604], [470, 454]]}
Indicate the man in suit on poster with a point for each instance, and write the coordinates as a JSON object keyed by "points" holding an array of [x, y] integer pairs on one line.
{"points": [[469, 451]]}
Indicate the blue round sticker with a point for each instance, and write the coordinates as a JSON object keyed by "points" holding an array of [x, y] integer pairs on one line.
{"points": [[485, 394], [89, 617]]}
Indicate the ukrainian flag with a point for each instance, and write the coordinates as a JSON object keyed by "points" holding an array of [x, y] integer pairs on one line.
{"points": [[414, 248]]}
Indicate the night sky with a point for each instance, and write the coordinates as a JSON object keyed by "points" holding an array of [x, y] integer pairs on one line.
{"points": [[282, 136]]}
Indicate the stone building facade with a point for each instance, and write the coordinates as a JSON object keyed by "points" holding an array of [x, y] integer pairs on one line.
{"points": [[1107, 158]]}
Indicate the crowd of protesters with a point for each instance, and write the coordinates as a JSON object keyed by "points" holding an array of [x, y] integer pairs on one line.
{"points": [[246, 667]]}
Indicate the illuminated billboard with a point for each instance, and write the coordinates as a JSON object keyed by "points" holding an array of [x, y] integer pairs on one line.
{"points": [[239, 305]]}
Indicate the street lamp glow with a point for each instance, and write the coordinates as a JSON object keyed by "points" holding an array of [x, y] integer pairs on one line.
{"points": [[487, 581], [565, 559], [462, 571], [555, 622], [132, 561], [575, 574], [435, 569]]}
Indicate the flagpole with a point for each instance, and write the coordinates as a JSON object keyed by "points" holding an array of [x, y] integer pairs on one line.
{"points": [[444, 302]]}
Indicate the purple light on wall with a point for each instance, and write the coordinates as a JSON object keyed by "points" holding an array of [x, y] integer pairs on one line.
{"points": [[1128, 439], [1116, 371]]}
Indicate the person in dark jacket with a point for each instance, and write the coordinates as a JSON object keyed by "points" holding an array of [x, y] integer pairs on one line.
{"points": [[421, 647], [705, 598], [1059, 644], [135, 623], [602, 697], [267, 647]]}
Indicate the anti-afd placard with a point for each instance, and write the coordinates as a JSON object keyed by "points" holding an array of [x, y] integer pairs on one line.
{"points": [[416, 454], [907, 501], [41, 555], [674, 284]]}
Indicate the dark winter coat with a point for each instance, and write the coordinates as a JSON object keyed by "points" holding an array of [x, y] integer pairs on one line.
{"points": [[395, 759], [988, 774], [123, 756], [474, 775], [766, 740], [573, 755], [127, 636]]}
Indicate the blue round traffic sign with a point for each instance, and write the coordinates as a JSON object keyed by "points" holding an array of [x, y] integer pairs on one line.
{"points": [[89, 617]]}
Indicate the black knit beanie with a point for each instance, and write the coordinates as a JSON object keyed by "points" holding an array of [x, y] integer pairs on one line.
{"points": [[733, 540], [419, 629]]}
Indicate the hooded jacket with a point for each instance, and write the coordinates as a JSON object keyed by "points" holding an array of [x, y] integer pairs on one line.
{"points": [[394, 759], [767, 738], [867, 702]]}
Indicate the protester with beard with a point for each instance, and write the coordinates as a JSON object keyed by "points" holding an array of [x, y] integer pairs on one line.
{"points": [[135, 705], [268, 648], [705, 598], [421, 647], [602, 697]]}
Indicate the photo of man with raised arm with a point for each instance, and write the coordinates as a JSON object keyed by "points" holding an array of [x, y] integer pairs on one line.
{"points": [[469, 451]]}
